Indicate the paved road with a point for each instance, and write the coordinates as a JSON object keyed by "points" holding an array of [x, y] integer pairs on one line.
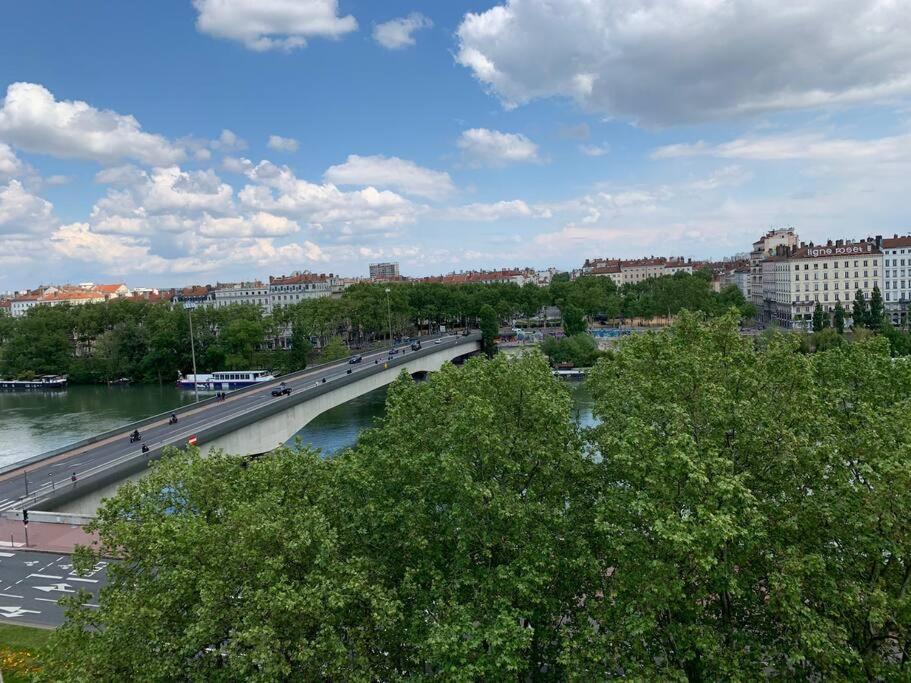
{"points": [[57, 471], [32, 582]]}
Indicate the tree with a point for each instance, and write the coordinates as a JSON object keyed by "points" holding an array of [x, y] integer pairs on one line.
{"points": [[839, 318], [820, 319], [490, 329], [414, 555], [334, 350], [573, 320], [876, 315], [859, 311], [749, 492]]}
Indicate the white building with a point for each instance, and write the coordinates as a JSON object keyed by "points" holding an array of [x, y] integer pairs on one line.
{"points": [[897, 278], [795, 280], [763, 248], [244, 293], [292, 289]]}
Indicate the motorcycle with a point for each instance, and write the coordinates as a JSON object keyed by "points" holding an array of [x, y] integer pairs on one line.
{"points": [[173, 420], [135, 436]]}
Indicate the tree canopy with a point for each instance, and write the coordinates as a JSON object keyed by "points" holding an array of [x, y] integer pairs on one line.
{"points": [[740, 512]]}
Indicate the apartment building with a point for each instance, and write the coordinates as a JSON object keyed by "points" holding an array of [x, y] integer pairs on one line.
{"points": [[292, 289], [897, 278], [244, 293], [633, 271], [763, 248], [794, 280], [73, 295], [384, 271]]}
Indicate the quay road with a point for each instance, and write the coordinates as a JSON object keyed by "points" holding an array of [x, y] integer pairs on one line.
{"points": [[32, 582], [19, 486]]}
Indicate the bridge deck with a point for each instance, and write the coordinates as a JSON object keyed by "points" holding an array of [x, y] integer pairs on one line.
{"points": [[49, 476]]}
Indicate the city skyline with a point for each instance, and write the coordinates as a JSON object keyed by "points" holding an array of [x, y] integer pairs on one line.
{"points": [[187, 146]]}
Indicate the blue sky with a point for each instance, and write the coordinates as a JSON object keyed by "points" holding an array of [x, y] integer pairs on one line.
{"points": [[135, 137]]}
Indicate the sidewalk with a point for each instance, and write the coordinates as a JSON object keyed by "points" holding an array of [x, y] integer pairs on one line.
{"points": [[48, 536]]}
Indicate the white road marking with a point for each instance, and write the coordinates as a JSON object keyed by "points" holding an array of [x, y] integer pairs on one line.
{"points": [[44, 576], [31, 564], [76, 578], [7, 554], [10, 595], [11, 612], [58, 587], [89, 604], [43, 600]]}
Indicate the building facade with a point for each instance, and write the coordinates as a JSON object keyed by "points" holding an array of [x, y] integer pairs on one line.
{"points": [[244, 293], [794, 280], [763, 248], [897, 278], [292, 289], [384, 271]]}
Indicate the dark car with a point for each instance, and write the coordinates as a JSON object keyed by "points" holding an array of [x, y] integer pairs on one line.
{"points": [[393, 352], [416, 346], [281, 391], [355, 359]]}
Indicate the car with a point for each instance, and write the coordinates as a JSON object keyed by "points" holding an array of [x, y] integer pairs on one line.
{"points": [[465, 333], [437, 341], [281, 391], [355, 359], [393, 352], [416, 346]]}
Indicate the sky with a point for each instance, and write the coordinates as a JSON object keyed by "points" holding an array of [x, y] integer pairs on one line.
{"points": [[189, 141]]}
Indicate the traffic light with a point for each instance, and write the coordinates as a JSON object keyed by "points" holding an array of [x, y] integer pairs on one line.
{"points": [[25, 517]]}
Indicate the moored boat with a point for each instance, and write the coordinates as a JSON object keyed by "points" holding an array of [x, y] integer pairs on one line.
{"points": [[224, 381], [40, 383]]}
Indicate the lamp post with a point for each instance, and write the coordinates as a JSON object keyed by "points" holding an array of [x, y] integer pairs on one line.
{"points": [[193, 355], [389, 315]]}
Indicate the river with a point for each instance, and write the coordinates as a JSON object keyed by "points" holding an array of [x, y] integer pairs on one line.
{"points": [[36, 422]]}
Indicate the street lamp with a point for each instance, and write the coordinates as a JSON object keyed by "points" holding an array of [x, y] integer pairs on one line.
{"points": [[193, 354], [389, 315]]}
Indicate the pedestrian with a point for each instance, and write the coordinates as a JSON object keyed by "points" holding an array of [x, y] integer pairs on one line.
{"points": [[73, 479]]}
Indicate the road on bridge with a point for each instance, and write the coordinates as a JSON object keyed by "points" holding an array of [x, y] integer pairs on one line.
{"points": [[66, 469]]}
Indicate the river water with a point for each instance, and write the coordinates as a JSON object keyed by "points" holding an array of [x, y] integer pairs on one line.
{"points": [[36, 422]]}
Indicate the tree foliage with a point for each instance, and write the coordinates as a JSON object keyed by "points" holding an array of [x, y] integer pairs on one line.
{"points": [[740, 513]]}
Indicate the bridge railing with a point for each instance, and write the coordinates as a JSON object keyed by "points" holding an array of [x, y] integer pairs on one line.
{"points": [[96, 438], [128, 463]]}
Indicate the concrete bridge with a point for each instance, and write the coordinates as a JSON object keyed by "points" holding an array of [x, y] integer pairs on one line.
{"points": [[249, 421]]}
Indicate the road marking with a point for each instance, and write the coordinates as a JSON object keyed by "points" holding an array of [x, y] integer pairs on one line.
{"points": [[57, 587], [10, 595], [44, 576], [90, 604], [62, 557], [43, 600], [7, 554], [76, 578], [11, 612], [31, 564]]}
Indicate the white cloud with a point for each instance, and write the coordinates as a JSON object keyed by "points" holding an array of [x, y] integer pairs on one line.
{"points": [[808, 147], [277, 190], [398, 33], [260, 224], [280, 144], [494, 211], [31, 119], [10, 165], [22, 212], [684, 61], [594, 150], [272, 24], [398, 174], [485, 147]]}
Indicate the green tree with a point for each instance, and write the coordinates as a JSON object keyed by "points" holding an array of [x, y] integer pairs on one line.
{"points": [[414, 555], [876, 315], [334, 350], [573, 320], [838, 319], [490, 329], [820, 319], [859, 311]]}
